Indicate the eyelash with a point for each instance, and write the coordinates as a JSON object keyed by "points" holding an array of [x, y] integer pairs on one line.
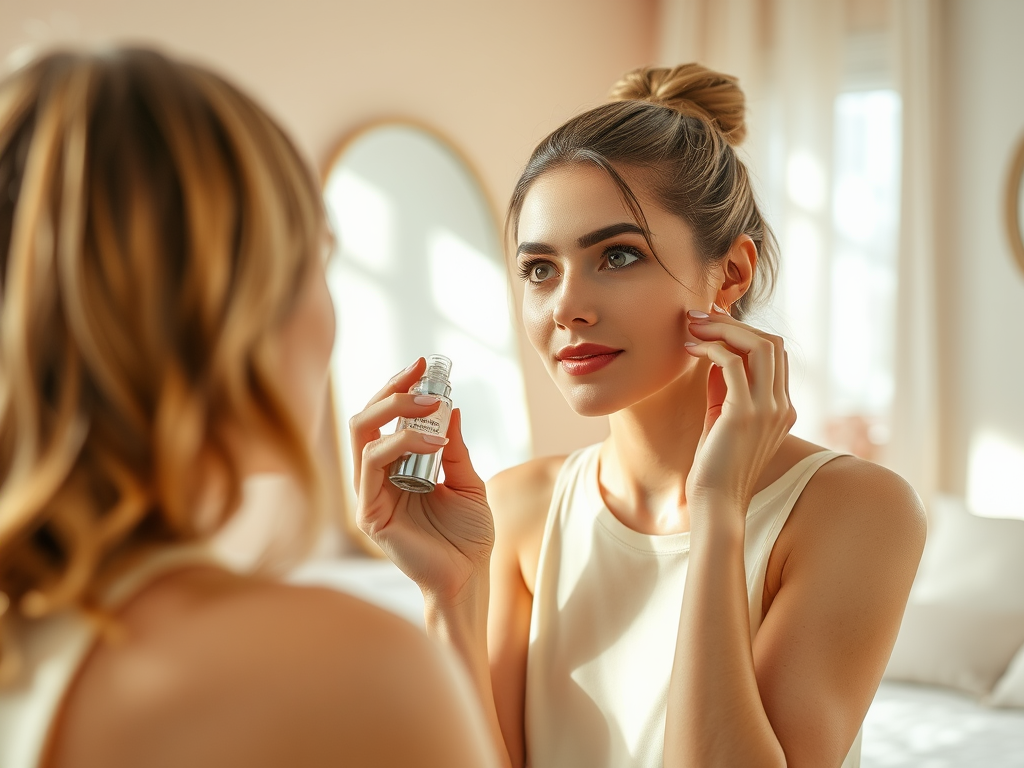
{"points": [[526, 268]]}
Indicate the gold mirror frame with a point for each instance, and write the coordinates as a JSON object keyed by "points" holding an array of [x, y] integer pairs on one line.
{"points": [[1014, 225]]}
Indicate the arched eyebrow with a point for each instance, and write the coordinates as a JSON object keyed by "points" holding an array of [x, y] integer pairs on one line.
{"points": [[585, 241]]}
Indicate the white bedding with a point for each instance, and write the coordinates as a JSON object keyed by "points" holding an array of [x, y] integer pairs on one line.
{"points": [[925, 726], [908, 726]]}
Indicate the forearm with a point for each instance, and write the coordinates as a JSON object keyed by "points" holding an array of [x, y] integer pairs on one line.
{"points": [[462, 626], [715, 715]]}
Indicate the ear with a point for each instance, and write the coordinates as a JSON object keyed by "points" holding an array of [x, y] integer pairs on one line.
{"points": [[737, 271]]}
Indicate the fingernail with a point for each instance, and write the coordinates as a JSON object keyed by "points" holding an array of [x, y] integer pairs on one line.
{"points": [[690, 344], [425, 399], [435, 439], [719, 309], [411, 365], [698, 314]]}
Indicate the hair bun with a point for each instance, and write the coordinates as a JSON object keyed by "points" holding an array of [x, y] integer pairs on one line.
{"points": [[691, 89]]}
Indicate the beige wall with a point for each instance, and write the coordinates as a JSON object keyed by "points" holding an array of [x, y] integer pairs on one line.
{"points": [[492, 77]]}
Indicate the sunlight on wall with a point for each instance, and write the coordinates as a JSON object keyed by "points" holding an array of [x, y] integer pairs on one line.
{"points": [[363, 218], [361, 356], [465, 284], [995, 474]]}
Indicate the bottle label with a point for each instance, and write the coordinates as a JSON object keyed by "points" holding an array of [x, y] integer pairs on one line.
{"points": [[434, 424]]}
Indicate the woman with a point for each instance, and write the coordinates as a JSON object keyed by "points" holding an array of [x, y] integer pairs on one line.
{"points": [[642, 248], [166, 330]]}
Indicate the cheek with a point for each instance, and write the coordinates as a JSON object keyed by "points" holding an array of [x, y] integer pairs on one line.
{"points": [[537, 321], [656, 312]]}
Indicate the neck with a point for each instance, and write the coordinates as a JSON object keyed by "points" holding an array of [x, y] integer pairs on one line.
{"points": [[648, 455]]}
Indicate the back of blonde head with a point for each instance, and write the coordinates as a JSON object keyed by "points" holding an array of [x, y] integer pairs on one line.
{"points": [[155, 228]]}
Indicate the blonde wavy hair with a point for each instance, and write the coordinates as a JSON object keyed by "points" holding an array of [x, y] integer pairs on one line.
{"points": [[156, 227]]}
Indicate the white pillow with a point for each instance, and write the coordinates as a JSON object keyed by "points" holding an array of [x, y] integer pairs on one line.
{"points": [[955, 646], [971, 560], [965, 617], [1009, 691]]}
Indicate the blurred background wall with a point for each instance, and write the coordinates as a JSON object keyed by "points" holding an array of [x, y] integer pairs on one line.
{"points": [[494, 77]]}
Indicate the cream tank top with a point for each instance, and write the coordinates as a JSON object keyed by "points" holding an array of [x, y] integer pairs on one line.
{"points": [[51, 651], [605, 619]]}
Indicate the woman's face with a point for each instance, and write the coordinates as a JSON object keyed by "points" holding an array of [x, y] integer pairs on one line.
{"points": [[607, 319]]}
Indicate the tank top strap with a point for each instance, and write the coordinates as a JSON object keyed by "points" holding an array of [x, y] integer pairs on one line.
{"points": [[577, 468], [769, 510], [572, 479]]}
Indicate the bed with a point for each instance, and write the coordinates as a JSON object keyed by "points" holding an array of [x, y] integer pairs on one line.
{"points": [[911, 725]]}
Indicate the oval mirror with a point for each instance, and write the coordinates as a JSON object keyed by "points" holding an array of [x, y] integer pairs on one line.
{"points": [[418, 269], [1014, 209]]}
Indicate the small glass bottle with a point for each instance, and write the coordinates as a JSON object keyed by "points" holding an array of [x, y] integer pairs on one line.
{"points": [[417, 472]]}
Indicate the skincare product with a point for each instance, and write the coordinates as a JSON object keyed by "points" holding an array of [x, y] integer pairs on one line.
{"points": [[417, 472]]}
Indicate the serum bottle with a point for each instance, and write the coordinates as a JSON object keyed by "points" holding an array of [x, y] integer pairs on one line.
{"points": [[417, 472]]}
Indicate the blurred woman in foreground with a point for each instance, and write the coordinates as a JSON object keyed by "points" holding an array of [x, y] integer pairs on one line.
{"points": [[165, 330]]}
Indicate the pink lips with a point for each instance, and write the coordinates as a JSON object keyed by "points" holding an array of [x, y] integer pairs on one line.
{"points": [[581, 359]]}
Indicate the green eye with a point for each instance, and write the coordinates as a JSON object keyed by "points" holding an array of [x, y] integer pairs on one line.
{"points": [[617, 258]]}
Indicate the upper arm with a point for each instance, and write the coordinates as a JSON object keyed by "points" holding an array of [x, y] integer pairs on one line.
{"points": [[856, 538], [519, 500]]}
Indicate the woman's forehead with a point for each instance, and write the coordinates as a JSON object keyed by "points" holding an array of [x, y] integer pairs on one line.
{"points": [[570, 201], [570, 198]]}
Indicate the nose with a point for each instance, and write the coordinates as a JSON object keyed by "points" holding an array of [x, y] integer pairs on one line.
{"points": [[574, 303]]}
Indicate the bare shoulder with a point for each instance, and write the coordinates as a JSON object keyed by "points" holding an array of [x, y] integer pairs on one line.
{"points": [[519, 491], [863, 492], [213, 669], [860, 508], [519, 498]]}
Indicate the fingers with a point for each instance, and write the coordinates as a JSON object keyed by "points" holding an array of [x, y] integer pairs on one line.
{"points": [[390, 399], [733, 372], [767, 361], [401, 381], [458, 468], [759, 351], [377, 457]]}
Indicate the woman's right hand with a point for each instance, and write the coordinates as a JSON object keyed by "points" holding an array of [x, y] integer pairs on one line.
{"points": [[441, 540]]}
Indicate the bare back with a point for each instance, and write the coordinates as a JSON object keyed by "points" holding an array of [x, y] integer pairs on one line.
{"points": [[209, 668]]}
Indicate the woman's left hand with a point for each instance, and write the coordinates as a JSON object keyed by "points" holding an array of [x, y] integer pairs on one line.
{"points": [[749, 411]]}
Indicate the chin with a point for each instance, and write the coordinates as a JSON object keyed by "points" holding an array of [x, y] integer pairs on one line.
{"points": [[590, 401]]}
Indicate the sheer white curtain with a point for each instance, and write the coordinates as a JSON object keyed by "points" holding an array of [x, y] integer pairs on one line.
{"points": [[793, 59], [916, 426]]}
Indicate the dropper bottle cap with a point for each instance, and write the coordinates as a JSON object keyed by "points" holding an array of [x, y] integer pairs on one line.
{"points": [[435, 379]]}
